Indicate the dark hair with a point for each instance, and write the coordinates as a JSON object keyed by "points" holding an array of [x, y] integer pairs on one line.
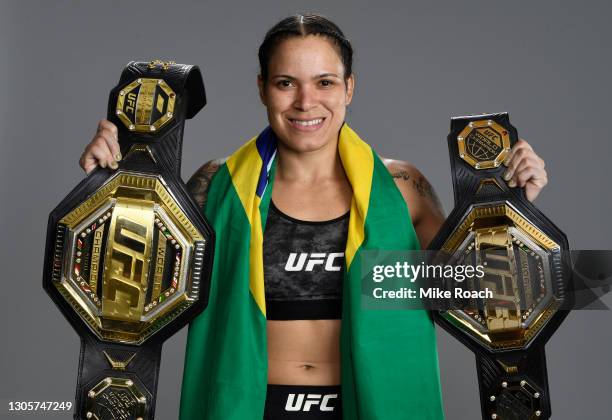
{"points": [[303, 25]]}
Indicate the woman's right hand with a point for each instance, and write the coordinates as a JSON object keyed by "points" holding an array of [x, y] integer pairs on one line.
{"points": [[103, 149]]}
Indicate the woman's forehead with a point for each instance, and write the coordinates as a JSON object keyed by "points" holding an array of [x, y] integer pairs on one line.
{"points": [[305, 56]]}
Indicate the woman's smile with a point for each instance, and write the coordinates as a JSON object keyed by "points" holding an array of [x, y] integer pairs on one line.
{"points": [[306, 124]]}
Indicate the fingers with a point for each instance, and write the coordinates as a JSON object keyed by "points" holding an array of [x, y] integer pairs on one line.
{"points": [[103, 123], [96, 154], [533, 175], [534, 183], [103, 150], [518, 154], [86, 164], [519, 164], [525, 169], [108, 130], [521, 146]]}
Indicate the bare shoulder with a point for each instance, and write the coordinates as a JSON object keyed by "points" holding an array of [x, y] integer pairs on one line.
{"points": [[425, 208], [200, 180], [400, 169], [415, 188]]}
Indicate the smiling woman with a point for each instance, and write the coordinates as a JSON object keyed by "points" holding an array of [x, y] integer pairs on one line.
{"points": [[306, 83], [284, 335]]}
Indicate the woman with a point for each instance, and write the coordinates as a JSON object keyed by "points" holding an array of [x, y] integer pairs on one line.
{"points": [[306, 83]]}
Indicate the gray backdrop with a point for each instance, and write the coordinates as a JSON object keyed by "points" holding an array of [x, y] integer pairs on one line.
{"points": [[417, 64]]}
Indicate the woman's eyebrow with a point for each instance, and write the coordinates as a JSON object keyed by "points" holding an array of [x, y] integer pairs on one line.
{"points": [[318, 76], [326, 75], [284, 76]]}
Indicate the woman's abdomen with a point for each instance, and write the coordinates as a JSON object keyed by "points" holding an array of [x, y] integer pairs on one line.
{"points": [[304, 352]]}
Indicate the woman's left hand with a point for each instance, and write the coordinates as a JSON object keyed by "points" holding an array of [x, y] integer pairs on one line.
{"points": [[525, 169]]}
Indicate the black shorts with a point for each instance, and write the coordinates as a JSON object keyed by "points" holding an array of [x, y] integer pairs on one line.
{"points": [[303, 402]]}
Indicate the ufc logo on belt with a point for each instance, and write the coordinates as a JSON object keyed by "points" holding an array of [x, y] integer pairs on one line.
{"points": [[303, 402]]}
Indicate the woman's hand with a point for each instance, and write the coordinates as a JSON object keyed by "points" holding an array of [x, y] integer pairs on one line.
{"points": [[525, 169], [103, 149]]}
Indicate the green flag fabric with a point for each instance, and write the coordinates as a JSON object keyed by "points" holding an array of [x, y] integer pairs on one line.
{"points": [[389, 360]]}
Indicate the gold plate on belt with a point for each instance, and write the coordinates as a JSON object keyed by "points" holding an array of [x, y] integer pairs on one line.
{"points": [[145, 105], [128, 249], [483, 144], [116, 398], [516, 258]]}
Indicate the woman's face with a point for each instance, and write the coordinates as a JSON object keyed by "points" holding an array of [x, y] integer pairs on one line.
{"points": [[306, 94]]}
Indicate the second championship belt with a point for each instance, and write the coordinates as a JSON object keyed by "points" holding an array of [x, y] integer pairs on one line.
{"points": [[128, 253], [522, 255]]}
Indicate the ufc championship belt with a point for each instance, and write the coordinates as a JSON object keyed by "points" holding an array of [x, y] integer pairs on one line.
{"points": [[128, 254], [522, 254]]}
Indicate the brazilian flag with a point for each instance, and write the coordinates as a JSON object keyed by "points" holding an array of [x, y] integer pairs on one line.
{"points": [[389, 359]]}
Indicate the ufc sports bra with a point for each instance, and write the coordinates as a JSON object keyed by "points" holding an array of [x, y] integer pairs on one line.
{"points": [[303, 266]]}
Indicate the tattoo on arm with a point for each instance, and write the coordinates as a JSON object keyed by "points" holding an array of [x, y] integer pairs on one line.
{"points": [[401, 175], [199, 182], [421, 186]]}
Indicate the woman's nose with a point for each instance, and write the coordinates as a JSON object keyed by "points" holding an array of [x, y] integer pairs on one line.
{"points": [[305, 98]]}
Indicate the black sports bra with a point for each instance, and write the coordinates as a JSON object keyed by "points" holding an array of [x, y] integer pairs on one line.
{"points": [[303, 266]]}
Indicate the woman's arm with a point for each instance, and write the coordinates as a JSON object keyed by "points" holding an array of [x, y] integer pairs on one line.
{"points": [[425, 208], [200, 180]]}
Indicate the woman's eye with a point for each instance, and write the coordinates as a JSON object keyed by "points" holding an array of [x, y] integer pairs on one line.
{"points": [[284, 83]]}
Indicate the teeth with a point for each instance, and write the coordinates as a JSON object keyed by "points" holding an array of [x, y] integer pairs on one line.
{"points": [[309, 122]]}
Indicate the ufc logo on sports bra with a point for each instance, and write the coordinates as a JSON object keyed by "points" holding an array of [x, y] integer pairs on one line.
{"points": [[303, 402], [305, 261]]}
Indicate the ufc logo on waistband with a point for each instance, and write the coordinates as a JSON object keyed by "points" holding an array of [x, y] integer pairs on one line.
{"points": [[303, 402], [306, 261]]}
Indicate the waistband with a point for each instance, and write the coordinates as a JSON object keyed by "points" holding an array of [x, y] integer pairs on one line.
{"points": [[305, 402]]}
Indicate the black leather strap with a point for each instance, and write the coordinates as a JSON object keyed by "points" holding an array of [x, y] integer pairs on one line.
{"points": [[466, 179], [166, 143], [100, 361], [514, 386]]}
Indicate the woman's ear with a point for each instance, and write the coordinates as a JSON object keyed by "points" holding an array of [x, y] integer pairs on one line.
{"points": [[261, 87], [350, 88]]}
